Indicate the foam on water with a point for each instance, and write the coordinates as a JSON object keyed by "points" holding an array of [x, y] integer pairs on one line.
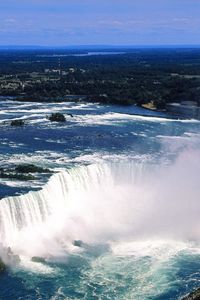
{"points": [[27, 264], [109, 118], [103, 203], [135, 211]]}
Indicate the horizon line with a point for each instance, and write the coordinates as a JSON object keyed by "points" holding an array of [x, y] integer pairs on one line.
{"points": [[86, 46]]}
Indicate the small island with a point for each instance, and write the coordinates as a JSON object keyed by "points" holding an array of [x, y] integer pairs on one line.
{"points": [[57, 117]]}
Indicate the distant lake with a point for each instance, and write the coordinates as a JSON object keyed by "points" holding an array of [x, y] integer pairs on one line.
{"points": [[83, 54]]}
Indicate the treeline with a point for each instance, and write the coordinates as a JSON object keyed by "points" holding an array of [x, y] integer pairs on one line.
{"points": [[136, 77]]}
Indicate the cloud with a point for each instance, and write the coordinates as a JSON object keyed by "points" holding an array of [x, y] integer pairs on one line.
{"points": [[119, 21], [10, 21]]}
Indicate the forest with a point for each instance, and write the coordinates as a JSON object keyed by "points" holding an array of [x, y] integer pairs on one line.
{"points": [[123, 76]]}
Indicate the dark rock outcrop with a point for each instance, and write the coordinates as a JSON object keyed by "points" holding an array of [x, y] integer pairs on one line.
{"points": [[57, 117], [2, 266], [30, 168], [22, 172], [7, 258], [17, 123], [78, 243], [38, 259], [5, 174], [70, 115]]}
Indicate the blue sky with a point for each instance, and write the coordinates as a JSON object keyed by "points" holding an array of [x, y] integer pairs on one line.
{"points": [[82, 22]]}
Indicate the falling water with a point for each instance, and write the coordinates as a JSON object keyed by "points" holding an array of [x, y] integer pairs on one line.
{"points": [[106, 202]]}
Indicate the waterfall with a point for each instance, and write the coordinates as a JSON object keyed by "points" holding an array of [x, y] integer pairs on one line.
{"points": [[68, 197], [105, 202]]}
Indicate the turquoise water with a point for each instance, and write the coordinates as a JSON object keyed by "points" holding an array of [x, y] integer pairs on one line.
{"points": [[124, 185]]}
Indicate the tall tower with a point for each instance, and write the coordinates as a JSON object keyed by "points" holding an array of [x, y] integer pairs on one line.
{"points": [[59, 67]]}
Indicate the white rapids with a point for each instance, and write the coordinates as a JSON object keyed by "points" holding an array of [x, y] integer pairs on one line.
{"points": [[105, 202]]}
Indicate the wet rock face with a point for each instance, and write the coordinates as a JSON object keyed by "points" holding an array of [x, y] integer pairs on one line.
{"points": [[78, 243], [17, 123], [30, 168], [7, 258], [57, 117], [23, 172], [195, 295], [38, 259], [2, 266]]}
